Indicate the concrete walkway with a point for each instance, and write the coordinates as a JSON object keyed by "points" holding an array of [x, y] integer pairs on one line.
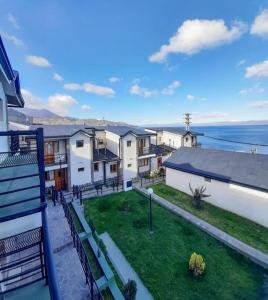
{"points": [[253, 254], [123, 268]]}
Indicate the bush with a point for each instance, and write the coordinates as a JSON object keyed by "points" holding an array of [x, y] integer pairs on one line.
{"points": [[140, 223], [130, 290], [104, 205], [196, 264]]}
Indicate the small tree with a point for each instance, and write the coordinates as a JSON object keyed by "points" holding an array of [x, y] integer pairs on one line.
{"points": [[196, 264], [130, 290], [198, 194]]}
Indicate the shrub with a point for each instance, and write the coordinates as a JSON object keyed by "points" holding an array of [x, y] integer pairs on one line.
{"points": [[140, 223], [104, 205], [130, 290], [196, 264]]}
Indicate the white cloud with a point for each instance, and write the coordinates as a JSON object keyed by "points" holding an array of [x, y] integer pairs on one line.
{"points": [[57, 77], [136, 89], [260, 25], [114, 79], [195, 35], [85, 107], [190, 97], [32, 101], [170, 90], [90, 88], [259, 104], [13, 21], [241, 63], [207, 117], [60, 104], [253, 90], [37, 61], [258, 70], [12, 38], [140, 91]]}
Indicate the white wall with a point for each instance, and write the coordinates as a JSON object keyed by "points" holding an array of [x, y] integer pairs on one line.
{"points": [[80, 158], [100, 135], [171, 139], [154, 161], [112, 141], [129, 156], [108, 173], [245, 202], [3, 121]]}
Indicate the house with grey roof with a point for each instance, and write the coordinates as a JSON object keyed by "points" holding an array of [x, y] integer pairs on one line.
{"points": [[235, 181]]}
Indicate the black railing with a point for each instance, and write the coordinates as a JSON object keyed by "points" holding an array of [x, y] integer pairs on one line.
{"points": [[25, 262], [59, 158], [94, 293], [148, 180], [145, 150]]}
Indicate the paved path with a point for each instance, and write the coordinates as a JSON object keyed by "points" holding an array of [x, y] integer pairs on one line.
{"points": [[71, 279], [123, 268], [252, 253]]}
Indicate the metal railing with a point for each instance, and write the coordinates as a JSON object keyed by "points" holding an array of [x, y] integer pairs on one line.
{"points": [[145, 150], [94, 293], [59, 158]]}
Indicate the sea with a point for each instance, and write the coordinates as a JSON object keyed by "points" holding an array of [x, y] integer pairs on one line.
{"points": [[237, 134]]}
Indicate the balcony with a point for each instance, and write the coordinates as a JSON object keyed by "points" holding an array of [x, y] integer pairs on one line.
{"points": [[145, 151], [55, 159]]}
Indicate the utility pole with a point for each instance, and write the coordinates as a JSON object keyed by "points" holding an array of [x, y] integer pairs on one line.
{"points": [[187, 121]]}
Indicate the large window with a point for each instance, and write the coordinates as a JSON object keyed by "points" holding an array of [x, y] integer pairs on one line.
{"points": [[113, 168], [143, 162], [79, 143]]}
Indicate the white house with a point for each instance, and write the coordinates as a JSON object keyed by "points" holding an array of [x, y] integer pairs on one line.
{"points": [[235, 181], [167, 139]]}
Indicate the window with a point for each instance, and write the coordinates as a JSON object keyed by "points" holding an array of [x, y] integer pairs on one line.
{"points": [[186, 139], [129, 165], [49, 175], [1, 110], [81, 169], [113, 168], [207, 179], [96, 167], [100, 141], [79, 143], [143, 162], [128, 143]]}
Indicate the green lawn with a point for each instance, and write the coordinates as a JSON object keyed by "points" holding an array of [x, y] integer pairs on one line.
{"points": [[243, 229], [161, 258]]}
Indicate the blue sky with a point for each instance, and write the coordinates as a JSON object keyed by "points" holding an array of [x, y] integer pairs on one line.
{"points": [[141, 61]]}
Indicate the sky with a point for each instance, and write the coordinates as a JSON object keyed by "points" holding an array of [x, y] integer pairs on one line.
{"points": [[141, 62]]}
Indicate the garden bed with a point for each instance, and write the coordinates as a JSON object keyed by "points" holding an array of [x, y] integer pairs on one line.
{"points": [[161, 258], [241, 228]]}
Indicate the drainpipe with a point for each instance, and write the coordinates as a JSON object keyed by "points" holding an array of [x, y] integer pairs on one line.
{"points": [[104, 172]]}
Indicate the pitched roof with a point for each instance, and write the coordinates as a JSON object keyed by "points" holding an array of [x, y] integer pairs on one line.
{"points": [[246, 169], [61, 130], [102, 154], [162, 149], [176, 130], [124, 130]]}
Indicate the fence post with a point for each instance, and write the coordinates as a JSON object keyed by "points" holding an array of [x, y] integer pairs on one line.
{"points": [[141, 181], [101, 188], [81, 197]]}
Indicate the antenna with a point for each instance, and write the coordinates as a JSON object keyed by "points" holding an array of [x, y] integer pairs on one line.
{"points": [[187, 122]]}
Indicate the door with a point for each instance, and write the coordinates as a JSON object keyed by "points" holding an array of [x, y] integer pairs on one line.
{"points": [[49, 152], [159, 162], [60, 182]]}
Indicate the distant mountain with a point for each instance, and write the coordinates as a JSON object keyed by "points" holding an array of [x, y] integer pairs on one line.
{"points": [[37, 113], [44, 116]]}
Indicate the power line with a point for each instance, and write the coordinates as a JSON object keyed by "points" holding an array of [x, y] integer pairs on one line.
{"points": [[235, 142]]}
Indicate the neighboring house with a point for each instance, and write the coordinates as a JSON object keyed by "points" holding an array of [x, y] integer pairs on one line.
{"points": [[26, 263], [235, 181], [167, 139]]}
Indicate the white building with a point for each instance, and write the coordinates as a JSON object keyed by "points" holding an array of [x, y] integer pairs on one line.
{"points": [[236, 181]]}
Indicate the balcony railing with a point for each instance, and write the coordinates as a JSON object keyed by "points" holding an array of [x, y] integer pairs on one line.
{"points": [[145, 151], [53, 159]]}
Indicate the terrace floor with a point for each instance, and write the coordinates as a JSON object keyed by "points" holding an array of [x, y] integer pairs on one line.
{"points": [[161, 259], [38, 290]]}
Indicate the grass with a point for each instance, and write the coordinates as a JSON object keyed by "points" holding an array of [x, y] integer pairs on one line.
{"points": [[161, 259], [243, 229]]}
